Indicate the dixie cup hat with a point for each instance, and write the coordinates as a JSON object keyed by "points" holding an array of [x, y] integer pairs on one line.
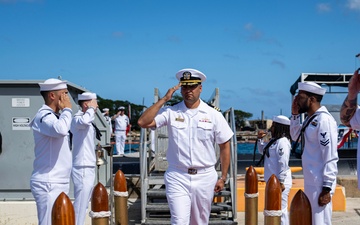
{"points": [[121, 108], [86, 96], [311, 87], [53, 84], [282, 120]]}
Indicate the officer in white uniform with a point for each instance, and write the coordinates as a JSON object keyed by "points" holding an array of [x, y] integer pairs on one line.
{"points": [[52, 164], [350, 112], [121, 123], [84, 158], [193, 128], [276, 155], [319, 157], [107, 118]]}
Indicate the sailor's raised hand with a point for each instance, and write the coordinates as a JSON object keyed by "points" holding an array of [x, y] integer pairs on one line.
{"points": [[64, 101], [171, 91], [354, 84], [294, 106]]}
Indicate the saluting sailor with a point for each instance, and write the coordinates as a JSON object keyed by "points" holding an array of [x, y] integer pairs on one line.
{"points": [[84, 159], [276, 154], [193, 128], [107, 118], [121, 123], [319, 144], [52, 164]]}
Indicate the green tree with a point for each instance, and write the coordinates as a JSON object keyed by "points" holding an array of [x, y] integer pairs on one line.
{"points": [[240, 118]]}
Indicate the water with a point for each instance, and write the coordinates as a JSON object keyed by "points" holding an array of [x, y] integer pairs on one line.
{"points": [[245, 148], [242, 148]]}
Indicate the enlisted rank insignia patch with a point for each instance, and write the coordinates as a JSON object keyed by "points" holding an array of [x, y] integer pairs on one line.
{"points": [[324, 141], [281, 152]]}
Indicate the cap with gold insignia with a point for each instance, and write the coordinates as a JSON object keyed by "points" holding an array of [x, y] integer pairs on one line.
{"points": [[86, 96], [281, 119], [105, 110], [121, 108], [311, 87], [53, 84], [190, 76]]}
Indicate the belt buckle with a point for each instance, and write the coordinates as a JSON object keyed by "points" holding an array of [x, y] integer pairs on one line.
{"points": [[192, 171]]}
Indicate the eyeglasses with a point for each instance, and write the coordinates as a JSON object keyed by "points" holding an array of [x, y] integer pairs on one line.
{"points": [[192, 87]]}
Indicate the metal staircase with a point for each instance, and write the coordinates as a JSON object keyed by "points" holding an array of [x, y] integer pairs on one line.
{"points": [[153, 164]]}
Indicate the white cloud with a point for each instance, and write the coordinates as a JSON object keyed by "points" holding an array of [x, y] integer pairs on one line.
{"points": [[353, 5], [324, 7]]}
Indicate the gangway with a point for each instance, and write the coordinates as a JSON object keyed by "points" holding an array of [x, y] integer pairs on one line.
{"points": [[153, 164]]}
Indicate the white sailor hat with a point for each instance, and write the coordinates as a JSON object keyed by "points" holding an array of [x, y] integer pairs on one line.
{"points": [[53, 84], [190, 76], [105, 110], [121, 108], [86, 96], [281, 119], [311, 87]]}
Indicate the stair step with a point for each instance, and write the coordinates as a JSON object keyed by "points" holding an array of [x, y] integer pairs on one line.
{"points": [[161, 193], [211, 221], [164, 207]]}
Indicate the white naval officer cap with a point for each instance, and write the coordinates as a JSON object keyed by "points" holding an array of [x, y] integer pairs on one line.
{"points": [[311, 87], [105, 110], [190, 76], [281, 119], [86, 96], [53, 84], [121, 108]]}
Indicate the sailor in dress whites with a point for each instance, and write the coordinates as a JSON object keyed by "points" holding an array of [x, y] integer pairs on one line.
{"points": [[121, 123], [319, 144], [107, 118], [52, 164], [193, 128], [276, 155], [350, 112], [84, 158]]}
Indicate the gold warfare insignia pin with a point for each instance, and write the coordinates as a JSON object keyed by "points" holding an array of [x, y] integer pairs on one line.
{"points": [[179, 119]]}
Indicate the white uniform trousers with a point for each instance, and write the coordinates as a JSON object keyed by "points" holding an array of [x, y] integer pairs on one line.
{"points": [[284, 199], [83, 178], [45, 194], [120, 137], [321, 215], [190, 196]]}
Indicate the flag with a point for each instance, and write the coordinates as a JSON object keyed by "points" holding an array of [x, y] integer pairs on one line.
{"points": [[343, 136], [129, 115]]}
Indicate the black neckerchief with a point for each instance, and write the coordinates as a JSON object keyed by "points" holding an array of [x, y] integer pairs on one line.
{"points": [[295, 144], [266, 150]]}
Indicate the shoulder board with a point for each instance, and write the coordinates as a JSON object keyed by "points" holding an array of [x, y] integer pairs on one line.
{"points": [[175, 103], [214, 107]]}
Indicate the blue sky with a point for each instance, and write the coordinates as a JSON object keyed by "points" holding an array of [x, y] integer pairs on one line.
{"points": [[253, 51]]}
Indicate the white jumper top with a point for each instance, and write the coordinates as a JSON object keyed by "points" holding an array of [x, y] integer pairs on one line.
{"points": [[83, 138], [52, 152], [320, 156]]}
